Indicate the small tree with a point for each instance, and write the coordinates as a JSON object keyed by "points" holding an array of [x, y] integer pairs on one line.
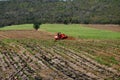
{"points": [[36, 26], [66, 22]]}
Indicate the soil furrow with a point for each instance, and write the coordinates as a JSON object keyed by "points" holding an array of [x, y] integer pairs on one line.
{"points": [[44, 67], [101, 69], [49, 59]]}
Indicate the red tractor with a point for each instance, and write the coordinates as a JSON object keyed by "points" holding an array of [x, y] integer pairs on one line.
{"points": [[60, 36]]}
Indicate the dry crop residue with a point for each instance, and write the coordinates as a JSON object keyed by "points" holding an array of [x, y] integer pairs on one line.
{"points": [[48, 60]]}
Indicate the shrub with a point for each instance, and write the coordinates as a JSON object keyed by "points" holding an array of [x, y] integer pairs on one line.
{"points": [[36, 25], [66, 22]]}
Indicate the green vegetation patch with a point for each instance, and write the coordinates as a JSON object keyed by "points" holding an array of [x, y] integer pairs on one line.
{"points": [[18, 27], [79, 31], [75, 30]]}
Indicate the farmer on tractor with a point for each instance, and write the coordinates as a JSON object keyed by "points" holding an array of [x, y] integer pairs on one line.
{"points": [[60, 36]]}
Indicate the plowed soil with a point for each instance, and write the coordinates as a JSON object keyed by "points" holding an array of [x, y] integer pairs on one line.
{"points": [[33, 55], [20, 34], [115, 28], [25, 34]]}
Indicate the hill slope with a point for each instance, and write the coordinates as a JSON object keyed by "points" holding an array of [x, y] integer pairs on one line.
{"points": [[58, 11]]}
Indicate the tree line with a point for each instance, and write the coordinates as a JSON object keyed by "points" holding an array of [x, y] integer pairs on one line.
{"points": [[59, 11]]}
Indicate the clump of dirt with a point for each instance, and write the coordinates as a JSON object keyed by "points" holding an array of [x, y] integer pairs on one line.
{"points": [[71, 38]]}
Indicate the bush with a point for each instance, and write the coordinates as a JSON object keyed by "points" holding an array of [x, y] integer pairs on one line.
{"points": [[36, 25], [66, 22]]}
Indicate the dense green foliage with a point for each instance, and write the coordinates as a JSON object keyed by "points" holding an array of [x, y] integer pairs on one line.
{"points": [[75, 30], [36, 26], [59, 11]]}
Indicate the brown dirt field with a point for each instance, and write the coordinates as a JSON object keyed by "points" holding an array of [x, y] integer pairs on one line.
{"points": [[25, 34], [18, 34], [67, 60], [111, 27], [71, 38]]}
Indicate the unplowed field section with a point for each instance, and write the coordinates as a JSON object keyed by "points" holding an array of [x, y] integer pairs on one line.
{"points": [[30, 59], [115, 28]]}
